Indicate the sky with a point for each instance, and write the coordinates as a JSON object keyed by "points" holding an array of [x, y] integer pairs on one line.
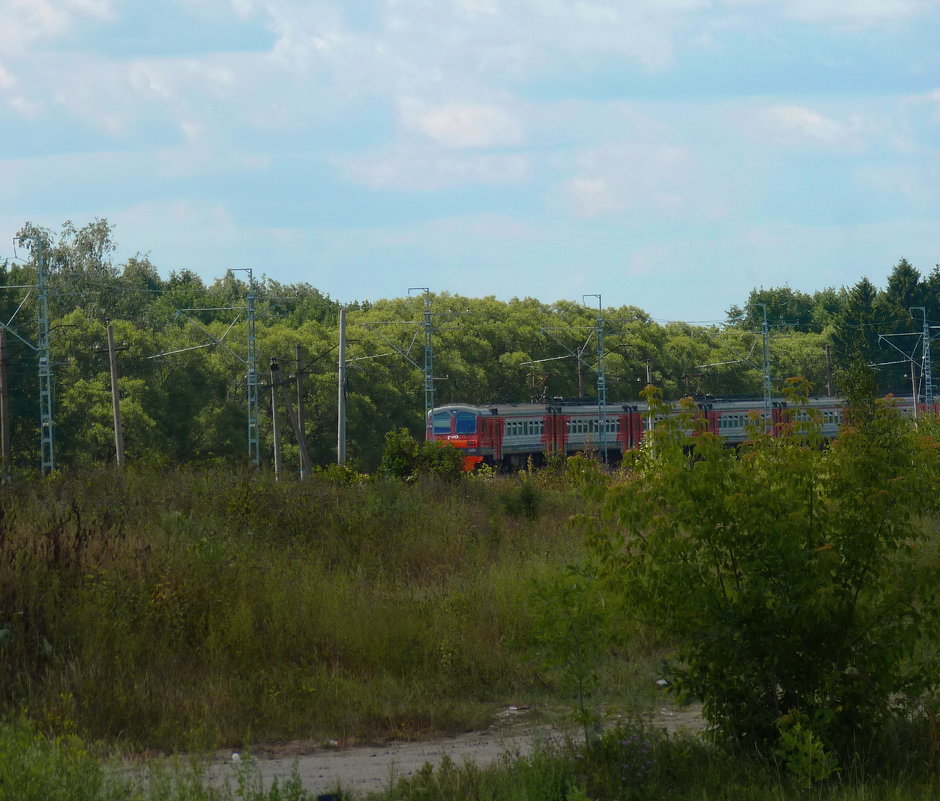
{"points": [[665, 154]]}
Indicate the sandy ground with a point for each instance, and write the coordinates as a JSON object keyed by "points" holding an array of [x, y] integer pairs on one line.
{"points": [[365, 769]]}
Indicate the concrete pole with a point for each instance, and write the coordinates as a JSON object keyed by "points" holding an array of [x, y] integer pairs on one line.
{"points": [[275, 426], [115, 401], [341, 397], [301, 431]]}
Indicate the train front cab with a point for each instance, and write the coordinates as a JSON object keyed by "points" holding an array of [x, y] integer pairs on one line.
{"points": [[458, 426]]}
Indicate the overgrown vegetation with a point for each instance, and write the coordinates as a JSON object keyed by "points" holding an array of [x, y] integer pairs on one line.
{"points": [[798, 580], [36, 767], [632, 762], [635, 762], [192, 607], [200, 606]]}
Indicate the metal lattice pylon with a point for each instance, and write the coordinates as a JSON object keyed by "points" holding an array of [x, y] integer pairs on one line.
{"points": [[45, 371], [254, 448], [251, 362]]}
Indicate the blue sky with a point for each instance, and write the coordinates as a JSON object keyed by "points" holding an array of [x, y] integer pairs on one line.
{"points": [[668, 154]]}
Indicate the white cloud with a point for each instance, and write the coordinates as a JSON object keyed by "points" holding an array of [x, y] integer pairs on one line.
{"points": [[628, 176], [243, 8], [462, 126], [809, 124], [29, 22], [101, 9], [146, 80], [477, 7], [7, 80], [835, 12], [405, 168], [860, 12], [790, 125], [26, 108], [929, 101], [596, 13], [593, 196]]}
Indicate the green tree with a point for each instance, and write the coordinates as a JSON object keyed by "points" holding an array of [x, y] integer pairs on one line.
{"points": [[856, 328], [785, 307], [787, 573]]}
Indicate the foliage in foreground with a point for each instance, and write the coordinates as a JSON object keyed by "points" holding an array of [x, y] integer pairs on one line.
{"points": [[630, 763], [34, 767], [795, 577], [636, 762]]}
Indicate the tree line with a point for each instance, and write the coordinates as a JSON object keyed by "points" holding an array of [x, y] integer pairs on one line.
{"points": [[183, 374]]}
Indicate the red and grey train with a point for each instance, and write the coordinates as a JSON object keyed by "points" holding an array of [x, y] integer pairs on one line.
{"points": [[508, 435]]}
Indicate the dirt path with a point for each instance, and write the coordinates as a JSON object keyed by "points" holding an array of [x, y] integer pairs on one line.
{"points": [[365, 769]]}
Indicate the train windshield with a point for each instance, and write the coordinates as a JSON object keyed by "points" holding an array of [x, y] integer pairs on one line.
{"points": [[442, 423], [466, 423]]}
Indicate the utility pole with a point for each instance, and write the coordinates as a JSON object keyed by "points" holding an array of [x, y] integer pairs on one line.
{"points": [[115, 400], [428, 369], [580, 362], [288, 405], [926, 368], [46, 446], [428, 359], [601, 382], [251, 361], [5, 438], [305, 466], [341, 393], [294, 424], [275, 426], [768, 386]]}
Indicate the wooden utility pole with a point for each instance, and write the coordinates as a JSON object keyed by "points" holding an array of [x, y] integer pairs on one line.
{"points": [[298, 431], [115, 400], [4, 403]]}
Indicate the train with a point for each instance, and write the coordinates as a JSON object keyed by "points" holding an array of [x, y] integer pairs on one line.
{"points": [[511, 435]]}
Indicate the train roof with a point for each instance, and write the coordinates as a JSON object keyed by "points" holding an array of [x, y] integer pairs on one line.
{"points": [[585, 405]]}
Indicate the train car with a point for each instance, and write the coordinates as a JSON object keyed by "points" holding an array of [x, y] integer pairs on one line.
{"points": [[510, 435]]}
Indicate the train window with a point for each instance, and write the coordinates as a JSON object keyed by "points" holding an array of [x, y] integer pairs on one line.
{"points": [[442, 423], [466, 423]]}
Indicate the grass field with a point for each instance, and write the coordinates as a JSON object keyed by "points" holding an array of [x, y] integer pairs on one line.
{"points": [[190, 608]]}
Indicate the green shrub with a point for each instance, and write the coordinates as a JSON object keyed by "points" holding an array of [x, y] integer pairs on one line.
{"points": [[787, 572], [36, 768], [405, 458]]}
